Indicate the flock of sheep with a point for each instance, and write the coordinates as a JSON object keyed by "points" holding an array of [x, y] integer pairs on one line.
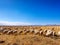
{"points": [[35, 32]]}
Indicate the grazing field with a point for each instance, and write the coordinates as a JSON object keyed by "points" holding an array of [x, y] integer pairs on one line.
{"points": [[23, 37]]}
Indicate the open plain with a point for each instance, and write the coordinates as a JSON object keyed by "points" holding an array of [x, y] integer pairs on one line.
{"points": [[28, 38]]}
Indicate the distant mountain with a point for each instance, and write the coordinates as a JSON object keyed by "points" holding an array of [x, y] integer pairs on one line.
{"points": [[6, 23]]}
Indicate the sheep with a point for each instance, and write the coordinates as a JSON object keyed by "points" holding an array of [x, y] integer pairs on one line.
{"points": [[10, 32], [5, 31], [41, 32], [20, 32], [26, 31], [14, 31], [1, 29], [16, 28], [36, 31], [54, 33], [31, 31], [49, 32], [44, 32], [9, 28], [58, 33]]}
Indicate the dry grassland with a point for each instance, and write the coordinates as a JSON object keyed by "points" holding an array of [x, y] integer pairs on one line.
{"points": [[29, 39]]}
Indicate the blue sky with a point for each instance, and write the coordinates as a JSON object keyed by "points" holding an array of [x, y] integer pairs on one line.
{"points": [[30, 11]]}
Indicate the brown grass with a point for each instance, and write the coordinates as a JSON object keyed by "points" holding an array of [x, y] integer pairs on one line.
{"points": [[29, 39]]}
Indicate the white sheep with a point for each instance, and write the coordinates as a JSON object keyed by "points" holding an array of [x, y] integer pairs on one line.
{"points": [[10, 32], [54, 33], [36, 31], [41, 32], [5, 31], [14, 31], [26, 31], [58, 33], [45, 30], [1, 29], [49, 32], [32, 31], [20, 32]]}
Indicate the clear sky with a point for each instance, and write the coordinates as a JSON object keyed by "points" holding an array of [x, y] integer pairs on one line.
{"points": [[30, 11]]}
